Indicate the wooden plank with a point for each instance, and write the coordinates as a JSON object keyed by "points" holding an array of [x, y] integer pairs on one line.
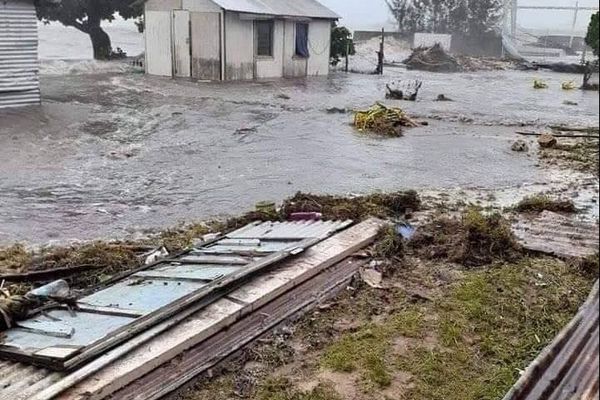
{"points": [[171, 376], [172, 342]]}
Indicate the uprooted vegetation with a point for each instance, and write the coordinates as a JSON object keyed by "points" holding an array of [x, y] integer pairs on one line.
{"points": [[100, 260], [433, 59], [469, 340], [474, 239], [541, 203], [383, 120]]}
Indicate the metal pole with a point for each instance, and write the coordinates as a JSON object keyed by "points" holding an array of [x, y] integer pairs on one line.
{"points": [[576, 12], [347, 55], [381, 53]]}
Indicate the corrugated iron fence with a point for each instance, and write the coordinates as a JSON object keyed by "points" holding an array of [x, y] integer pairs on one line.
{"points": [[19, 81]]}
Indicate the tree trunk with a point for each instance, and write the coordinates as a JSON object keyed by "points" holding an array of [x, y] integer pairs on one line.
{"points": [[100, 42]]}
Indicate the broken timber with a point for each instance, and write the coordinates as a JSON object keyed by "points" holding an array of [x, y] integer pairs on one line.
{"points": [[127, 363]]}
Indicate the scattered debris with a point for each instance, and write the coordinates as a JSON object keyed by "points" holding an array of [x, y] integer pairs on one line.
{"points": [[336, 110], [520, 146], [547, 141], [283, 96], [372, 277], [557, 234], [408, 91], [570, 103], [382, 120], [357, 208], [475, 239], [443, 97], [541, 203], [539, 84], [246, 131], [433, 59], [570, 85]]}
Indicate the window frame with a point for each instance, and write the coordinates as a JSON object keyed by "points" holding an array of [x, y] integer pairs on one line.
{"points": [[271, 23]]}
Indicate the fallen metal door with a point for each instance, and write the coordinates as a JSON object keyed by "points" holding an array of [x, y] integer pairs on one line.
{"points": [[181, 44], [206, 45], [162, 293]]}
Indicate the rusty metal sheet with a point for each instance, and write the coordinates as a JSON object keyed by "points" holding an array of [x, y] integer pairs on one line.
{"points": [[568, 369], [65, 339], [558, 235]]}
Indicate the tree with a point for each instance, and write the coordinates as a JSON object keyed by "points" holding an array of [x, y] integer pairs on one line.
{"points": [[342, 43], [471, 17], [593, 35], [87, 16]]}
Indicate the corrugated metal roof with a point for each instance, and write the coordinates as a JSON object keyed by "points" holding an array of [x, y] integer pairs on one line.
{"points": [[567, 369], [283, 8], [559, 235], [19, 82]]}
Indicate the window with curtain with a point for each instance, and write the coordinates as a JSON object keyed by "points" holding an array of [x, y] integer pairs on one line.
{"points": [[264, 38], [302, 40]]}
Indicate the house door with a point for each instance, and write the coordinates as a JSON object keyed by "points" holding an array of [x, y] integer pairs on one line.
{"points": [[181, 44], [206, 45]]}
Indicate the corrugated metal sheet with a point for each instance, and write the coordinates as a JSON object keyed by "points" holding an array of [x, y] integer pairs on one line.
{"points": [[19, 82], [63, 339], [568, 369], [280, 8], [558, 235]]}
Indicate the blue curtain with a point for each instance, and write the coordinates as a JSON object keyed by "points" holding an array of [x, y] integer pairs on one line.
{"points": [[302, 40]]}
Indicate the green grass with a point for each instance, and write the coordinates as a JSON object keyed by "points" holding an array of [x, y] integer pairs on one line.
{"points": [[492, 325], [487, 328]]}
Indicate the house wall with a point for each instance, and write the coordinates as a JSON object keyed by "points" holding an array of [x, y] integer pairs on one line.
{"points": [[319, 45], [239, 47], [159, 47], [272, 67], [292, 66], [19, 81]]}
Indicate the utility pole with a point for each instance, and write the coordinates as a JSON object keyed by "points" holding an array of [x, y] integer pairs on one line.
{"points": [[576, 14], [380, 53], [347, 55]]}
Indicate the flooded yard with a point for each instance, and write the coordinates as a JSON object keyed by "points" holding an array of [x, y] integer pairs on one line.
{"points": [[113, 154]]}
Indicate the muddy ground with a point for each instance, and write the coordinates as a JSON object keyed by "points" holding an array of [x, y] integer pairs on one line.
{"points": [[112, 155]]}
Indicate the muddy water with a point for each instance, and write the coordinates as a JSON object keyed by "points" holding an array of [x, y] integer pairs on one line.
{"points": [[114, 154]]}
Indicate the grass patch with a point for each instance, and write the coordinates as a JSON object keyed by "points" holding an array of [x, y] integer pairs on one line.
{"points": [[14, 258], [283, 389], [541, 203], [475, 239], [367, 350], [582, 156], [490, 326]]}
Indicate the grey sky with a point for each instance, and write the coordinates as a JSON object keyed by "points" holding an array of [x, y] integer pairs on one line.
{"points": [[373, 14]]}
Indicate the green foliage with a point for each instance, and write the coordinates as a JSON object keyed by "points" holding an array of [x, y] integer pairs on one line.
{"points": [[472, 17], [341, 43], [87, 15], [593, 36]]}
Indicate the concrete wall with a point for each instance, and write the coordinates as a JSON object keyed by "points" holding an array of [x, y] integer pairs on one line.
{"points": [[239, 47], [272, 67], [292, 66], [319, 44]]}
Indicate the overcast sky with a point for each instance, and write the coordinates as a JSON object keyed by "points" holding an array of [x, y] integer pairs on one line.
{"points": [[373, 14]]}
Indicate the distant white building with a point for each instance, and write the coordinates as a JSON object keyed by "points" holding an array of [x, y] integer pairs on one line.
{"points": [[237, 39], [19, 81]]}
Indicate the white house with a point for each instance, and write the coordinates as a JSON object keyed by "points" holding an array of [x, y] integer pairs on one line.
{"points": [[19, 82], [237, 39]]}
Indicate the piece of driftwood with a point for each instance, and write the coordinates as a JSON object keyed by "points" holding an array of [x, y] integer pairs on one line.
{"points": [[527, 133]]}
